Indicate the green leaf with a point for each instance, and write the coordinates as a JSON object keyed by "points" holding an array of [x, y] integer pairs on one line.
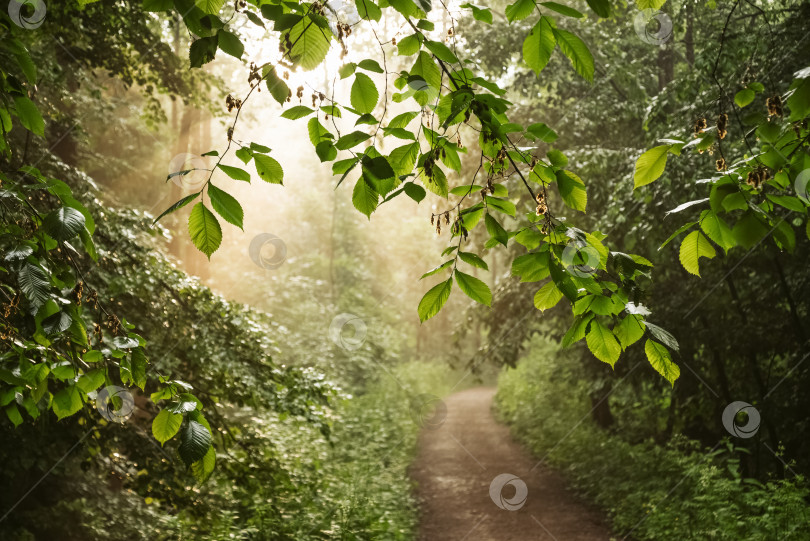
{"points": [[364, 196], [64, 223], [661, 360], [296, 112], [347, 69], [244, 154], [29, 115], [424, 68], [92, 380], [434, 299], [202, 469], [629, 330], [235, 172], [351, 140], [210, 6], [269, 169], [230, 43], [437, 183], [378, 169], [370, 65], [166, 425], [662, 335], [693, 247], [788, 201], [158, 5], [178, 205], [204, 229], [226, 206], [539, 45], [441, 51], [557, 158], [501, 205], [531, 267], [474, 260], [138, 364], [519, 10], [650, 166], [437, 269], [195, 440], [650, 4], [414, 191], [402, 120], [403, 158], [547, 296], [563, 10], [409, 45], [276, 85], [799, 100], [67, 401], [310, 43], [749, 230], [368, 10], [34, 284], [744, 97], [480, 14], [600, 7], [717, 230], [364, 94], [202, 51], [572, 190], [408, 8], [577, 52], [56, 323], [474, 288], [495, 230], [785, 236], [603, 343], [542, 132], [13, 415], [577, 330]]}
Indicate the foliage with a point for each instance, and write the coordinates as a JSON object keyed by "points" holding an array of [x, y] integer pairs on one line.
{"points": [[681, 490], [305, 31]]}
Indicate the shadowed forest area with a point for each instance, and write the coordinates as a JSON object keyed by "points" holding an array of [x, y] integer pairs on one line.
{"points": [[404, 270]]}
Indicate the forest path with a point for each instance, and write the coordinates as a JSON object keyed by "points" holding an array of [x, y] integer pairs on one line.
{"points": [[458, 461]]}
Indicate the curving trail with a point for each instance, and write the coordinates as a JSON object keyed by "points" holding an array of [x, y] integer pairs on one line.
{"points": [[458, 461]]}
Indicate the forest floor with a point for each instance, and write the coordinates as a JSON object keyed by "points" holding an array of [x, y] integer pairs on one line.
{"points": [[456, 464]]}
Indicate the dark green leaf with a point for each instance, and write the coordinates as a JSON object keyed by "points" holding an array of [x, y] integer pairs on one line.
{"points": [[63, 223], [229, 43]]}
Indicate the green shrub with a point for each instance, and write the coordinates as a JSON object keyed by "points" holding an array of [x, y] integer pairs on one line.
{"points": [[677, 491]]}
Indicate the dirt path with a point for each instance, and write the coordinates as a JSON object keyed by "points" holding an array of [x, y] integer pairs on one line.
{"points": [[454, 469]]}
